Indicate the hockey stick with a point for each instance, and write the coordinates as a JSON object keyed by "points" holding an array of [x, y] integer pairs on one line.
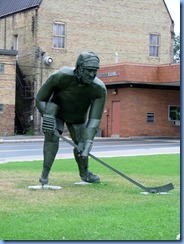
{"points": [[158, 189]]}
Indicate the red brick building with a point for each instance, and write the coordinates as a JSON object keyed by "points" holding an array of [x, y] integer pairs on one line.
{"points": [[142, 100]]}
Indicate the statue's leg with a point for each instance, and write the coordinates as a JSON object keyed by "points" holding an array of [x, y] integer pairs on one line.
{"points": [[50, 148], [81, 162]]}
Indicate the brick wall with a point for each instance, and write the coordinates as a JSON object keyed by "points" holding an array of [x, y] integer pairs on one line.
{"points": [[7, 120], [169, 73], [140, 73], [91, 26], [105, 27], [135, 103], [7, 95]]}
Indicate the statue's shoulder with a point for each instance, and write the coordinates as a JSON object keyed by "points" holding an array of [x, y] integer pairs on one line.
{"points": [[62, 77], [99, 83], [63, 72]]}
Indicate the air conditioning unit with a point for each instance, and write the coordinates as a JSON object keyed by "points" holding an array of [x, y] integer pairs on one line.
{"points": [[176, 122]]}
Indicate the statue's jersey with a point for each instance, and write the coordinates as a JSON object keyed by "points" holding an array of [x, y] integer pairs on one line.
{"points": [[74, 100]]}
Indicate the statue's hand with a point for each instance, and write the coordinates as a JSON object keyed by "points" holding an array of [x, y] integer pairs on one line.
{"points": [[87, 135], [49, 123], [49, 120]]}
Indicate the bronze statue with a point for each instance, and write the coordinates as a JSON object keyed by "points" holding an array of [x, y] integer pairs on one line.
{"points": [[76, 97]]}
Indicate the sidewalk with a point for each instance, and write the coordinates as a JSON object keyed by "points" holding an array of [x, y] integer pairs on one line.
{"points": [[21, 138], [40, 138], [125, 150]]}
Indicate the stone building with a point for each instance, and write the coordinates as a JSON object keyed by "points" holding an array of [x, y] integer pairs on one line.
{"points": [[7, 91], [50, 34]]}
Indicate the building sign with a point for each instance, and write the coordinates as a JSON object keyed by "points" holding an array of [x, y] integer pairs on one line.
{"points": [[107, 74]]}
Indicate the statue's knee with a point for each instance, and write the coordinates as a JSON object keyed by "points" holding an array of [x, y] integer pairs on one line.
{"points": [[50, 137]]}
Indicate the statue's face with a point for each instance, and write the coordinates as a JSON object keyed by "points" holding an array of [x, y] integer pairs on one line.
{"points": [[88, 75]]}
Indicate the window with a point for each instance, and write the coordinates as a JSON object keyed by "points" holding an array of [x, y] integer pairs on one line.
{"points": [[150, 118], [1, 108], [59, 35], [153, 45], [174, 113], [1, 68]]}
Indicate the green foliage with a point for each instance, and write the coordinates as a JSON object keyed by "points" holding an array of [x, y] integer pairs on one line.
{"points": [[177, 48], [111, 210], [30, 132]]}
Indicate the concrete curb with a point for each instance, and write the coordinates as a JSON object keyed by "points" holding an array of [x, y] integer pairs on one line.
{"points": [[32, 139]]}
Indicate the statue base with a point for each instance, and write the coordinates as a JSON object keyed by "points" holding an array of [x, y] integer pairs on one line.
{"points": [[82, 183], [44, 187], [159, 193]]}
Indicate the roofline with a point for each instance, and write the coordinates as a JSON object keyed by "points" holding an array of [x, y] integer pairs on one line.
{"points": [[19, 11], [138, 64], [140, 85], [168, 11]]}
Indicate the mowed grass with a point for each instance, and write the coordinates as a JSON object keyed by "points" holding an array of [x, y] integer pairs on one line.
{"points": [[115, 209]]}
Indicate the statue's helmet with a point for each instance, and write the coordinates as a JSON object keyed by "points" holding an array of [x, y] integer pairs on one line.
{"points": [[88, 60]]}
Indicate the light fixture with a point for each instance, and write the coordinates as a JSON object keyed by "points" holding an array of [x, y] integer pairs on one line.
{"points": [[48, 60]]}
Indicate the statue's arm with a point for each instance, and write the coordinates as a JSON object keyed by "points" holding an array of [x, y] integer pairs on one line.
{"points": [[45, 93], [47, 109], [94, 119], [97, 108]]}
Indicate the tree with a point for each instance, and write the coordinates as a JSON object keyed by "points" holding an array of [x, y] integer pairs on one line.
{"points": [[177, 49]]}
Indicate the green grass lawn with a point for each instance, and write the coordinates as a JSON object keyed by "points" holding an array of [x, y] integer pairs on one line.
{"points": [[115, 209]]}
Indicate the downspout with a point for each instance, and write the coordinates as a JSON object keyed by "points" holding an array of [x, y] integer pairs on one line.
{"points": [[172, 43], [41, 82]]}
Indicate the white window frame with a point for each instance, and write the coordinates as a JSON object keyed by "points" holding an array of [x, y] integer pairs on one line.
{"points": [[59, 35], [154, 45], [177, 118]]}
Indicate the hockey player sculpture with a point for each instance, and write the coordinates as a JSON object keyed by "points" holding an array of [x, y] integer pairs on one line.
{"points": [[75, 97]]}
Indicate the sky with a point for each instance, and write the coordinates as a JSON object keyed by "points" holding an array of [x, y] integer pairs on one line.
{"points": [[174, 9]]}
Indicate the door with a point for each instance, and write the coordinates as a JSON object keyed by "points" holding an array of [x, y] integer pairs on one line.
{"points": [[115, 117]]}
